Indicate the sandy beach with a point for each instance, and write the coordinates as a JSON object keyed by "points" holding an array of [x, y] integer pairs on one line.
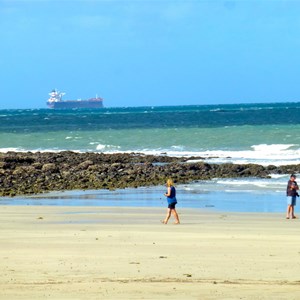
{"points": [[53, 252]]}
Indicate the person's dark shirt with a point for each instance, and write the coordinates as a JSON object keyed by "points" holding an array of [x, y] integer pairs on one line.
{"points": [[289, 190]]}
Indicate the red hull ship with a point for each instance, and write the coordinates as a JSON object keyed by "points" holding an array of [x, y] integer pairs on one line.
{"points": [[55, 101]]}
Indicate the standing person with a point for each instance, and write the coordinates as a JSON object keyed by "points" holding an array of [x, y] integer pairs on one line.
{"points": [[291, 193], [172, 201]]}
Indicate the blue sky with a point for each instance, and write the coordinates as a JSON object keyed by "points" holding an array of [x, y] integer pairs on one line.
{"points": [[159, 52]]}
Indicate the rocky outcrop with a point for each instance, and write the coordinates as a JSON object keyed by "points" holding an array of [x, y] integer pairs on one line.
{"points": [[31, 173]]}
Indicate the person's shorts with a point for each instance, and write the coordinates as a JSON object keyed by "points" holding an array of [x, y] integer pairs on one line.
{"points": [[172, 205], [291, 200]]}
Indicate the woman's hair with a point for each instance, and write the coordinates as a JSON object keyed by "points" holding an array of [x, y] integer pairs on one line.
{"points": [[170, 182]]}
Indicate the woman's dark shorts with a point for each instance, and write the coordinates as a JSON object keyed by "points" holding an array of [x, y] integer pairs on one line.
{"points": [[172, 205]]}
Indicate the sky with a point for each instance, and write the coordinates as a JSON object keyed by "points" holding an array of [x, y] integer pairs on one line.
{"points": [[149, 52]]}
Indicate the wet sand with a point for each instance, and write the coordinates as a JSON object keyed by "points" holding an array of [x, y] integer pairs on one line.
{"points": [[53, 252]]}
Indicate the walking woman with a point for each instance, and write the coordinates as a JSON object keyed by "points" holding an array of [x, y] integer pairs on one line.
{"points": [[171, 197]]}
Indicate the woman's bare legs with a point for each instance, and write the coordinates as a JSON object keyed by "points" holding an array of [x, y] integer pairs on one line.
{"points": [[174, 212], [165, 221]]}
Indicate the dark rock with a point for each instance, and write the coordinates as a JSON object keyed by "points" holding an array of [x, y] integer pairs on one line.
{"points": [[50, 167], [27, 173]]}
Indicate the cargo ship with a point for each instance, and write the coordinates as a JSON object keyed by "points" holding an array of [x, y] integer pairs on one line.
{"points": [[55, 101]]}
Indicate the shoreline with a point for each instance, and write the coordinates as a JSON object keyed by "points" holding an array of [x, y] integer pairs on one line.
{"points": [[126, 253]]}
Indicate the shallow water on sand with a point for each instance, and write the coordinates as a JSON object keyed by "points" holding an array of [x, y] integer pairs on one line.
{"points": [[236, 195]]}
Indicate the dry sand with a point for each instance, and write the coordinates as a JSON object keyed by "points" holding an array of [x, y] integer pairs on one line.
{"points": [[126, 253]]}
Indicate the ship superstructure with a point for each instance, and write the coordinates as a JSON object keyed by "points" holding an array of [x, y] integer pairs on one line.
{"points": [[55, 101]]}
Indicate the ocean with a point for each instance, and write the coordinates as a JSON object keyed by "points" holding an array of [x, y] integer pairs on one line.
{"points": [[244, 133], [266, 134]]}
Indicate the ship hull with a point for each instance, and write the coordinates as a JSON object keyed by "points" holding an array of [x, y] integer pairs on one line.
{"points": [[75, 104]]}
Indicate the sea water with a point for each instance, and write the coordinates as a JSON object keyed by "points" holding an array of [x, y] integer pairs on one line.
{"points": [[255, 133], [266, 134]]}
